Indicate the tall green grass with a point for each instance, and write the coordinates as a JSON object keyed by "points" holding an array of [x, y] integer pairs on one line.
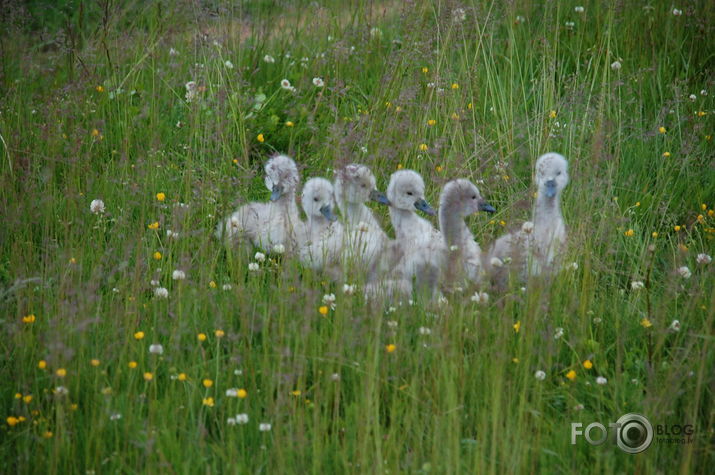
{"points": [[93, 107]]}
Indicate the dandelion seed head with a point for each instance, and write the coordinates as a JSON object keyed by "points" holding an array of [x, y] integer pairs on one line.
{"points": [[540, 375]]}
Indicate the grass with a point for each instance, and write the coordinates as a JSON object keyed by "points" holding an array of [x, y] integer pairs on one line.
{"points": [[93, 107]]}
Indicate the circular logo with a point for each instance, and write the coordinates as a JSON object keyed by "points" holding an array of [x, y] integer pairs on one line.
{"points": [[634, 433]]}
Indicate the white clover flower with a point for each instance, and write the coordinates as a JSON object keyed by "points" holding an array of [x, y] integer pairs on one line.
{"points": [[226, 287], [616, 65], [703, 259], [431, 85], [453, 248], [579, 9], [540, 375], [684, 272], [238, 372], [572, 266], [459, 15], [264, 427], [192, 91], [335, 376], [519, 19], [61, 391], [601, 380], [675, 325], [318, 82], [363, 149], [703, 92], [285, 84], [279, 249], [348, 289], [154, 283], [232, 392], [496, 262], [480, 297], [161, 292], [260, 257], [677, 12], [527, 227], [269, 59], [637, 285], [558, 333], [231, 421], [172, 234], [178, 275], [375, 32], [242, 418], [97, 206], [156, 349], [442, 300], [693, 97], [569, 24], [253, 266], [115, 416], [173, 52], [424, 331], [329, 299]]}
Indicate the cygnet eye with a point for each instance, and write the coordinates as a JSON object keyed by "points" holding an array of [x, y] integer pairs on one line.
{"points": [[558, 173], [363, 186], [474, 197], [409, 193], [315, 199]]}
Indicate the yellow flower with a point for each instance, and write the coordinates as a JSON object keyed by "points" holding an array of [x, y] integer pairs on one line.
{"points": [[160, 196], [571, 375], [242, 393], [517, 326], [398, 109], [21, 419], [552, 114], [438, 168], [515, 360], [677, 228], [662, 129], [388, 104], [212, 284], [182, 377], [132, 364], [638, 203], [425, 69], [701, 219], [654, 234], [42, 364], [587, 364], [455, 116], [27, 398], [12, 421], [682, 247], [703, 206], [431, 122], [296, 392], [219, 333], [208, 401], [148, 376], [94, 362], [61, 372], [645, 323], [157, 255], [74, 406], [95, 133], [423, 147], [629, 233], [207, 383], [139, 335], [391, 348], [48, 433], [323, 310], [399, 166], [154, 225], [666, 154], [99, 89], [701, 113], [29, 318], [502, 223], [455, 85], [18, 395], [469, 106], [289, 123], [711, 213], [708, 137], [73, 260], [201, 337], [260, 138]]}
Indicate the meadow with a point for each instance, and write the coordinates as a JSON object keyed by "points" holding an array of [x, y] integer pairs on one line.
{"points": [[166, 112]]}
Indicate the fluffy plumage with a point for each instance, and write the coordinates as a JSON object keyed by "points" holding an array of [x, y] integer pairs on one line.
{"points": [[322, 240]]}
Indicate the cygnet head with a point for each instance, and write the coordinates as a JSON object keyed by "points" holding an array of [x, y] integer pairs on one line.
{"points": [[462, 197], [552, 174], [281, 176], [406, 191], [317, 199], [356, 184]]}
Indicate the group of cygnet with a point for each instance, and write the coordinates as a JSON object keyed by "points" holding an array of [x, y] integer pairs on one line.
{"points": [[420, 259]]}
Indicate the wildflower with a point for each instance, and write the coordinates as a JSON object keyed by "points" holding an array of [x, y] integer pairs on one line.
{"points": [[27, 399], [571, 375], [192, 91], [702, 113], [677, 12], [182, 377], [616, 65], [348, 289], [160, 196], [253, 266], [392, 323], [94, 362], [675, 326], [115, 416], [178, 275], [703, 92], [431, 122], [100, 89], [424, 331], [629, 233], [97, 206], [662, 129], [323, 310], [540, 375], [279, 249], [519, 19], [684, 272], [573, 266], [173, 52], [587, 364], [637, 285], [12, 421], [42, 364], [517, 326], [208, 401], [645, 323], [139, 335], [459, 15], [296, 392], [161, 292], [423, 147], [242, 394], [264, 427], [390, 348], [455, 85], [578, 9], [96, 133], [156, 349], [260, 138], [425, 69], [601, 380], [132, 364], [219, 333], [703, 259], [212, 284], [289, 123], [480, 297], [148, 376], [61, 372], [242, 418], [569, 24], [157, 255], [226, 287], [329, 299], [61, 391], [285, 84], [201, 337], [228, 64], [318, 82], [375, 32], [552, 114], [29, 318], [207, 383], [154, 225], [231, 421], [269, 59], [558, 333]]}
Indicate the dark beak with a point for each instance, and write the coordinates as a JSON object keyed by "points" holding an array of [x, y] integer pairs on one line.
{"points": [[380, 197], [423, 206], [328, 213], [484, 206], [276, 193], [550, 188]]}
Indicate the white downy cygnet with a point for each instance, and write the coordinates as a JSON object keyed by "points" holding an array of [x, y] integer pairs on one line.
{"points": [[273, 226], [536, 248], [459, 199], [322, 239], [364, 239]]}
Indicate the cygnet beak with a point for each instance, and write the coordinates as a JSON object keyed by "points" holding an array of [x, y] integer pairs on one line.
{"points": [[550, 188], [276, 193], [380, 197], [484, 206], [328, 213], [423, 206]]}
